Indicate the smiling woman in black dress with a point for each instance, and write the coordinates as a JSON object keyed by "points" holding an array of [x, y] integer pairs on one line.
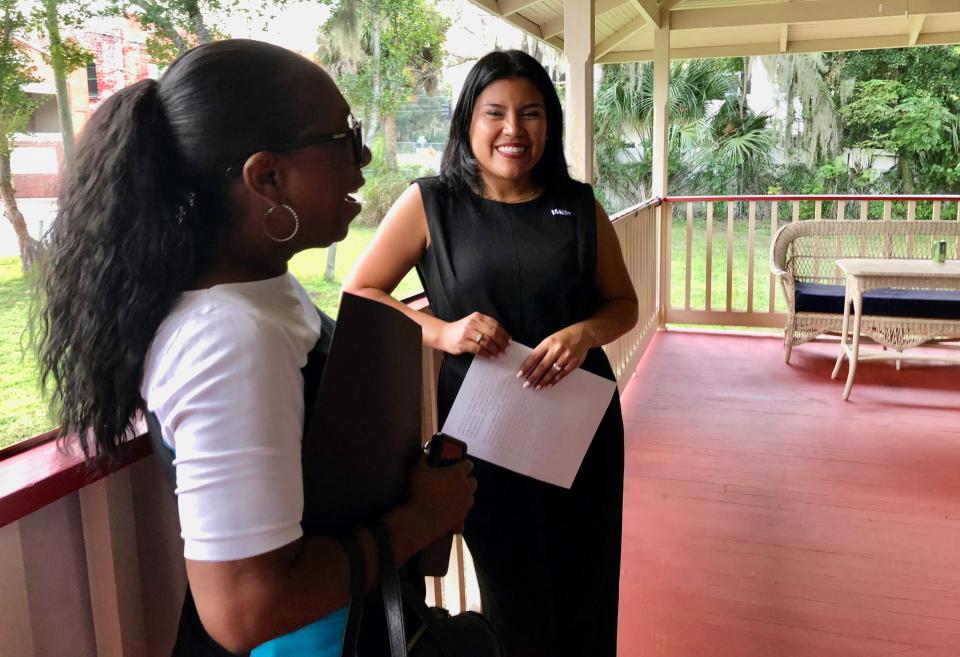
{"points": [[509, 247]]}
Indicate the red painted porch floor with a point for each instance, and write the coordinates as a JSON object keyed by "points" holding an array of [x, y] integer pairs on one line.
{"points": [[765, 517]]}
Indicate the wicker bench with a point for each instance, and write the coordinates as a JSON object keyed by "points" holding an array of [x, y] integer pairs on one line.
{"points": [[803, 256]]}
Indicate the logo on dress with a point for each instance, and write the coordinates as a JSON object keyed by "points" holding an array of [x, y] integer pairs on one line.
{"points": [[558, 211]]}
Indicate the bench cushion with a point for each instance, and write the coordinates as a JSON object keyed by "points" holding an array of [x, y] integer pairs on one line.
{"points": [[887, 302]]}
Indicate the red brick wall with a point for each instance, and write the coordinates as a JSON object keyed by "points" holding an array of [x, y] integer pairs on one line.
{"points": [[38, 185], [130, 62]]}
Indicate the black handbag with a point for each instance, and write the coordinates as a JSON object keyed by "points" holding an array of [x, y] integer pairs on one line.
{"points": [[467, 634]]}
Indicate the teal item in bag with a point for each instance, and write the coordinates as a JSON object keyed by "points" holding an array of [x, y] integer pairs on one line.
{"points": [[321, 638]]}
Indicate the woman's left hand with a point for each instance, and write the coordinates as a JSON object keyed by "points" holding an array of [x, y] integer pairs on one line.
{"points": [[555, 357]]}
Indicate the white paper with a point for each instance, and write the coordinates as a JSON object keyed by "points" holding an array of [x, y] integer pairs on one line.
{"points": [[540, 433]]}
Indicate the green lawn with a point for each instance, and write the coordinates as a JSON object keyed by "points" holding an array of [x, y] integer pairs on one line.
{"points": [[718, 268], [23, 414]]}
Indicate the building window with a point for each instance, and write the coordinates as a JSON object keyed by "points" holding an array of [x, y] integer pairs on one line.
{"points": [[92, 89]]}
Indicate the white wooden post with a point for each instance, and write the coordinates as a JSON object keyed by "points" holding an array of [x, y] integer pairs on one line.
{"points": [[661, 118], [578, 49], [661, 115]]}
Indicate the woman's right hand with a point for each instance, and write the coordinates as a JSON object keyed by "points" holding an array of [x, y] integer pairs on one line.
{"points": [[474, 334], [442, 495]]}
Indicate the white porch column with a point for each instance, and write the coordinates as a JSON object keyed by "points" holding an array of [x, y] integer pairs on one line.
{"points": [[578, 48], [661, 155], [661, 115]]}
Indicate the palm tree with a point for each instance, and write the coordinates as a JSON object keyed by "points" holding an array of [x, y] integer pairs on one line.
{"points": [[624, 120]]}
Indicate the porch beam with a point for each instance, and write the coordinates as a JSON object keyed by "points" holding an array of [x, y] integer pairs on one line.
{"points": [[633, 27], [916, 27], [578, 48], [525, 24], [671, 4], [804, 12], [784, 34], [773, 48], [508, 7], [554, 26], [649, 9]]}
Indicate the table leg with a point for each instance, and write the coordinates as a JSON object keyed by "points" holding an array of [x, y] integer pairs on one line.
{"points": [[843, 335], [855, 348]]}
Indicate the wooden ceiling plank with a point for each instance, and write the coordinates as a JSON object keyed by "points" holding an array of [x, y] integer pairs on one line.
{"points": [[508, 7], [554, 26], [524, 24], [632, 28]]}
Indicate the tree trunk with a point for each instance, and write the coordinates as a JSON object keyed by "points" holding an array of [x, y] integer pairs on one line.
{"points": [[57, 63], [744, 86], [377, 86], [328, 275], [390, 140], [788, 129], [164, 26], [199, 25], [906, 174], [29, 247]]}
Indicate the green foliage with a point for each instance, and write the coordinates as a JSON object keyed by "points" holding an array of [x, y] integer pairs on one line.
{"points": [[383, 185], [381, 52], [16, 106], [935, 70], [63, 55], [174, 26], [911, 122], [712, 149]]}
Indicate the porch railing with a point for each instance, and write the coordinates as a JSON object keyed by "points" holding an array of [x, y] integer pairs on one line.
{"points": [[716, 270], [637, 229]]}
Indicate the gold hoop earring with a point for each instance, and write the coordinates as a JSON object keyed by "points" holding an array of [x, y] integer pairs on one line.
{"points": [[296, 223]]}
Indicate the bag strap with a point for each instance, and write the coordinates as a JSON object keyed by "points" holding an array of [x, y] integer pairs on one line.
{"points": [[429, 619], [390, 587], [358, 577], [396, 587]]}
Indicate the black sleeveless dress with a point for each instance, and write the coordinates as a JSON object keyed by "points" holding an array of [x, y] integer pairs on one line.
{"points": [[547, 559]]}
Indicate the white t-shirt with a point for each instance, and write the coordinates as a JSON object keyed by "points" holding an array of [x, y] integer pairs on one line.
{"points": [[223, 378]]}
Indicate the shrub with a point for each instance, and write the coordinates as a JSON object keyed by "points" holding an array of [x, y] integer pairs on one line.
{"points": [[384, 185]]}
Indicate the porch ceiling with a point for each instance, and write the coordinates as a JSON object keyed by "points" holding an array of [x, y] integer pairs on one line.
{"points": [[726, 28]]}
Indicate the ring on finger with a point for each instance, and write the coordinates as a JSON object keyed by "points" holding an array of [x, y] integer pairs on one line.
{"points": [[479, 338], [557, 367]]}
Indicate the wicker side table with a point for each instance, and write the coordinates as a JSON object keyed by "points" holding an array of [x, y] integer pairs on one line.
{"points": [[865, 274]]}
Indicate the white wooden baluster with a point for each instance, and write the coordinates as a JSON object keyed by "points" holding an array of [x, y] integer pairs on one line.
{"points": [[751, 234], [730, 209], [709, 265], [771, 307], [686, 286]]}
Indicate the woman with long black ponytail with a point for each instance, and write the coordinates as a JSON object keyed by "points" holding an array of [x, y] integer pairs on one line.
{"points": [[165, 292]]}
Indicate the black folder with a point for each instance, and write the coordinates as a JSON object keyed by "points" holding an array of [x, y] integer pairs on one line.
{"points": [[364, 432]]}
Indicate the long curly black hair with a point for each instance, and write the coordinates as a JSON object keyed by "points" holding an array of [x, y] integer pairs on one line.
{"points": [[140, 213], [458, 167]]}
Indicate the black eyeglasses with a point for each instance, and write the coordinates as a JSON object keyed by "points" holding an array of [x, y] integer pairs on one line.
{"points": [[354, 133]]}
